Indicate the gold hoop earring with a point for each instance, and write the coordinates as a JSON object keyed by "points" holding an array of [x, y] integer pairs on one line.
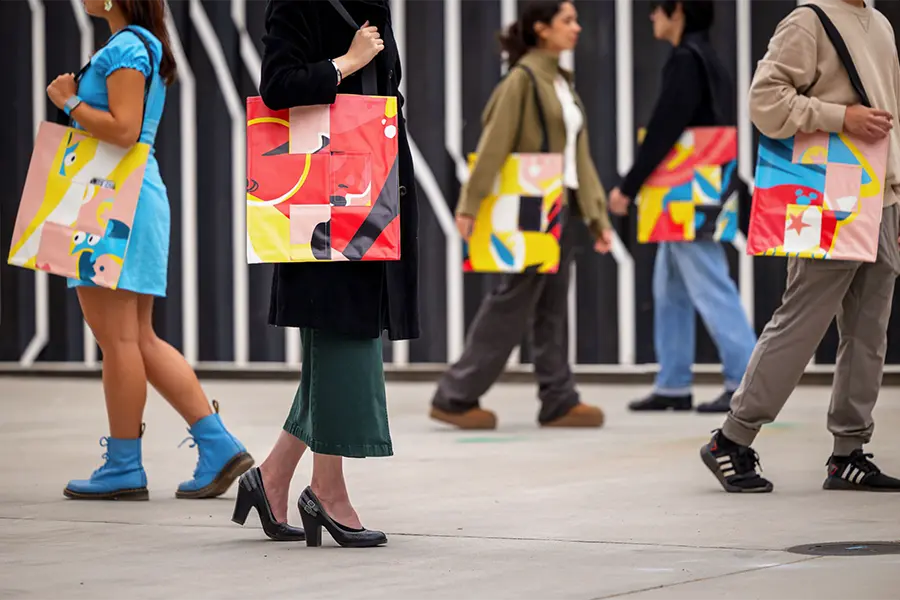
{"points": [[107, 6]]}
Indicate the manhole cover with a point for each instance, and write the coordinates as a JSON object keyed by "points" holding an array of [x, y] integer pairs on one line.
{"points": [[847, 549]]}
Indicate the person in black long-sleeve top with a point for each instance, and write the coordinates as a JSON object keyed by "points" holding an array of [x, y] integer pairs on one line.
{"points": [[688, 276]]}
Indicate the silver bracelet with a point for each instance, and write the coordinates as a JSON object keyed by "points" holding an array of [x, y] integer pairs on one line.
{"points": [[340, 76]]}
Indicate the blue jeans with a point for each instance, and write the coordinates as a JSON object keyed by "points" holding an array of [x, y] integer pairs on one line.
{"points": [[689, 276]]}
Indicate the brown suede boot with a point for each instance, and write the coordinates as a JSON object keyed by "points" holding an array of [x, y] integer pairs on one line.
{"points": [[581, 415], [475, 418]]}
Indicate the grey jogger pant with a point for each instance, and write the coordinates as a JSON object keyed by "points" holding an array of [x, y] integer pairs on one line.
{"points": [[860, 295], [521, 301]]}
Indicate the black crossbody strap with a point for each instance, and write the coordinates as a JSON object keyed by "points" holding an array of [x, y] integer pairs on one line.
{"points": [[368, 74], [713, 96], [838, 42], [545, 142], [63, 119]]}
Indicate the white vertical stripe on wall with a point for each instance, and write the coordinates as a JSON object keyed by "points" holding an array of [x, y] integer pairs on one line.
{"points": [[745, 146], [453, 142], [567, 61], [38, 114], [235, 105], [625, 157], [453, 83], [86, 33], [249, 55], [187, 94], [400, 348], [509, 12]]}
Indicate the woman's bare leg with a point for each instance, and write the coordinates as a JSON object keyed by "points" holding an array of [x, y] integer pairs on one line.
{"points": [[329, 486], [113, 318], [278, 469], [168, 371]]}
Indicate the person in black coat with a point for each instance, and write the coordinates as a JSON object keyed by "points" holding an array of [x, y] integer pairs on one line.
{"points": [[313, 51]]}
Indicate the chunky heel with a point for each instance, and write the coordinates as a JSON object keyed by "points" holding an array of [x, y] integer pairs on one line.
{"points": [[252, 494], [242, 506], [315, 518], [313, 530]]}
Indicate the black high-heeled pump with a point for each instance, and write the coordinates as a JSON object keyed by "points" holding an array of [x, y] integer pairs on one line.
{"points": [[315, 518], [252, 494]]}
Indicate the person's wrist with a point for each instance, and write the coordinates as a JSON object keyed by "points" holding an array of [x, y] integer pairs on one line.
{"points": [[71, 103], [345, 65]]}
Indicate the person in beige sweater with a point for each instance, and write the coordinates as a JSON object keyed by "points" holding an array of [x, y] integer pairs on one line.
{"points": [[534, 86], [802, 86]]}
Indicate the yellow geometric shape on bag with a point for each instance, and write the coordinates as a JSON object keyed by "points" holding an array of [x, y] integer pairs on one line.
{"points": [[650, 208], [517, 226]]}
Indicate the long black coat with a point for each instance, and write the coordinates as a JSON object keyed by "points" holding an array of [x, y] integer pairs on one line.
{"points": [[361, 298]]}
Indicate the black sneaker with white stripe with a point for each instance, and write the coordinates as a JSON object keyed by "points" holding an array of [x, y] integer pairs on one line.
{"points": [[857, 473], [735, 466]]}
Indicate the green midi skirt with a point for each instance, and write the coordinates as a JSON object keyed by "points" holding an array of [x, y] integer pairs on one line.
{"points": [[340, 407]]}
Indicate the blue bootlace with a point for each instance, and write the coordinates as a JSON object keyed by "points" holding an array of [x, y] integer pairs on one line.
{"points": [[104, 443], [193, 444]]}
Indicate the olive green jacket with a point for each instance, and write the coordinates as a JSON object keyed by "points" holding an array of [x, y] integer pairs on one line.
{"points": [[511, 114]]}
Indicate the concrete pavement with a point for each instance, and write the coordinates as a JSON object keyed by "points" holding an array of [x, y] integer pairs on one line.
{"points": [[626, 511]]}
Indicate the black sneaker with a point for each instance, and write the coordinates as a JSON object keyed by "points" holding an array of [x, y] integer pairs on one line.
{"points": [[734, 466], [857, 473], [722, 404], [655, 402]]}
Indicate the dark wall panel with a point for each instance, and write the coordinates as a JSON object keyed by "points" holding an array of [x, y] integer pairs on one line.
{"points": [[427, 104], [423, 74], [595, 275]]}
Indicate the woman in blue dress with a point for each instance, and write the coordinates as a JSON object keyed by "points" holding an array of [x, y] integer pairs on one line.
{"points": [[119, 98]]}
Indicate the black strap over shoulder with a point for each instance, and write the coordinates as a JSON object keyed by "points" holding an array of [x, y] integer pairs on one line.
{"points": [[368, 74], [714, 98], [545, 141], [63, 119], [838, 42]]}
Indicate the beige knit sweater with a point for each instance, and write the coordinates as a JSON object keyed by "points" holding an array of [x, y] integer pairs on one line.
{"points": [[801, 85]]}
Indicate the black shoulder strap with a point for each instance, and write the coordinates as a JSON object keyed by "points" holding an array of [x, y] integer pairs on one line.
{"points": [[62, 119], [545, 142], [716, 102], [368, 74], [838, 42]]}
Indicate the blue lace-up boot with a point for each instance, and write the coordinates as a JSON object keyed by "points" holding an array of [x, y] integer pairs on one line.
{"points": [[222, 458], [121, 477]]}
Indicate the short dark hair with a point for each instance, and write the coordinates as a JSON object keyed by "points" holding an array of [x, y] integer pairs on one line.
{"points": [[698, 14]]}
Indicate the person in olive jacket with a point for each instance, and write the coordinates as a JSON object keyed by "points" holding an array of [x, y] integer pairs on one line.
{"points": [[312, 53], [533, 44]]}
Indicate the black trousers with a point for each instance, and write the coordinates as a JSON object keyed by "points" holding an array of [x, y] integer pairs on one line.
{"points": [[521, 302]]}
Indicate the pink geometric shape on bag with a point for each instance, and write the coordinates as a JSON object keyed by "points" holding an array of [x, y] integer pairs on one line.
{"points": [[842, 183], [55, 250], [811, 148], [310, 129], [304, 219], [90, 218], [534, 169]]}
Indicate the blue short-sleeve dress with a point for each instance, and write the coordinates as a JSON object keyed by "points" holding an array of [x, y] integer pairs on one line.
{"points": [[147, 256]]}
